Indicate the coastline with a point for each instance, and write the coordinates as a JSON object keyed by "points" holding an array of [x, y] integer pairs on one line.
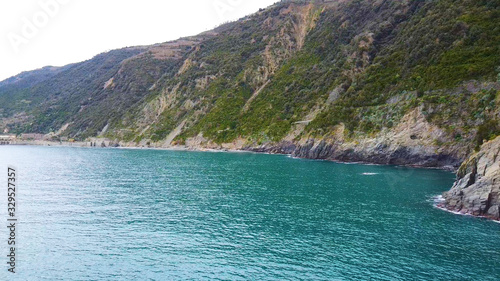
{"points": [[219, 150], [439, 201]]}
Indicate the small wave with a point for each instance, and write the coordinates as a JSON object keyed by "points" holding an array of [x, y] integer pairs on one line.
{"points": [[438, 199], [369, 174], [439, 204], [440, 207]]}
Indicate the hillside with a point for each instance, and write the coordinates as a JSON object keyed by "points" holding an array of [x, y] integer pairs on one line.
{"points": [[383, 81]]}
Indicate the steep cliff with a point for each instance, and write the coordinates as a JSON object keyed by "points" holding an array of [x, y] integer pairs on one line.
{"points": [[477, 190]]}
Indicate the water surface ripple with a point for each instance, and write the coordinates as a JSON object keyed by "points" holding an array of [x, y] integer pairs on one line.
{"points": [[109, 214]]}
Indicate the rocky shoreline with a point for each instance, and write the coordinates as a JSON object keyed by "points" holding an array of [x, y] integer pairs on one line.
{"points": [[379, 154], [477, 189]]}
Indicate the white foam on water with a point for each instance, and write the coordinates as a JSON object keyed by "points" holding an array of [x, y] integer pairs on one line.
{"points": [[369, 174], [438, 199]]}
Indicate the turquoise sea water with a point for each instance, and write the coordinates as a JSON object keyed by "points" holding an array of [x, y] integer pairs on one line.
{"points": [[110, 214]]}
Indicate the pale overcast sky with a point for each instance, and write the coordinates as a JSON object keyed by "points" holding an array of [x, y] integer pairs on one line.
{"points": [[37, 33]]}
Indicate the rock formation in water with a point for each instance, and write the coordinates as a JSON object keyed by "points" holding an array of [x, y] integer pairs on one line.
{"points": [[477, 189]]}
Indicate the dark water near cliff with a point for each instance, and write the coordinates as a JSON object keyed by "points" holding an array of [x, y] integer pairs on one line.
{"points": [[104, 214]]}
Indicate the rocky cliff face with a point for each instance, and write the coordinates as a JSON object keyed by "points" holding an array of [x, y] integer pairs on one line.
{"points": [[477, 189], [413, 142]]}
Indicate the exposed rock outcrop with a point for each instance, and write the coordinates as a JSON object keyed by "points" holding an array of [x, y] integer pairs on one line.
{"points": [[378, 153], [477, 189], [412, 142]]}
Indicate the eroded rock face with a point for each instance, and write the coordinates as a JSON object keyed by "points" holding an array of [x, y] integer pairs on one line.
{"points": [[477, 189], [412, 142], [378, 153]]}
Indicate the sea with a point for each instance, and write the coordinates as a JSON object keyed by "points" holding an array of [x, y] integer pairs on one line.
{"points": [[138, 214]]}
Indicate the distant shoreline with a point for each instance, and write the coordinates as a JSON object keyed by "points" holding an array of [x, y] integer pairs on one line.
{"points": [[171, 148], [202, 149]]}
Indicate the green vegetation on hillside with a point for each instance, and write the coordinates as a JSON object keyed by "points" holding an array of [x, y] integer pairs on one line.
{"points": [[364, 64]]}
